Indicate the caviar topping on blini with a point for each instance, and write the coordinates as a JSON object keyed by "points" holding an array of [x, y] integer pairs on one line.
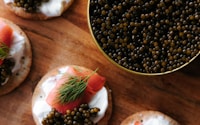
{"points": [[61, 96], [15, 56]]}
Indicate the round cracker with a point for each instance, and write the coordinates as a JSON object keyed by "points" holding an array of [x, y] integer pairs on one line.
{"points": [[144, 115], [16, 79], [54, 72], [34, 16]]}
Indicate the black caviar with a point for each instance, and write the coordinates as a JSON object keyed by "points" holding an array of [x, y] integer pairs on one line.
{"points": [[78, 116], [149, 36], [6, 70], [30, 6]]}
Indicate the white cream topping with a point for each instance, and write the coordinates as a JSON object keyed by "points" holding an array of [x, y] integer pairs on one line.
{"points": [[8, 1], [154, 120], [16, 52], [51, 8], [100, 100], [41, 108]]}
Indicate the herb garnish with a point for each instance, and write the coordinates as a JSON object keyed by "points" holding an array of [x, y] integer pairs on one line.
{"points": [[4, 50], [73, 88]]}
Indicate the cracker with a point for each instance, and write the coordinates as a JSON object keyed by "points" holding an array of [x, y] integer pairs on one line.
{"points": [[144, 115], [54, 72], [34, 16], [16, 79]]}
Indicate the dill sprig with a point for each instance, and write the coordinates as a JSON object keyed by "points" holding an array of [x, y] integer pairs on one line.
{"points": [[4, 50], [73, 88]]}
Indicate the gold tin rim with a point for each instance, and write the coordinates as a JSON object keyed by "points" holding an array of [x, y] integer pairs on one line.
{"points": [[121, 67]]}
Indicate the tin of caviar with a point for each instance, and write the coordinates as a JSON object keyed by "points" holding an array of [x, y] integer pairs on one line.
{"points": [[146, 37]]}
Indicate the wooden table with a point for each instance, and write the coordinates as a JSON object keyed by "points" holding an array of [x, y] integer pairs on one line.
{"points": [[67, 40]]}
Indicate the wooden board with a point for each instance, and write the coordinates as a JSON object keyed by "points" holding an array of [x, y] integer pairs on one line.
{"points": [[67, 40]]}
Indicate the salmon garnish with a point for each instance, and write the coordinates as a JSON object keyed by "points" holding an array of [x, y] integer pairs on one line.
{"points": [[88, 82], [5, 40]]}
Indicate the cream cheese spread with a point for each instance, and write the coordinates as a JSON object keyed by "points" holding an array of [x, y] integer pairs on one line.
{"points": [[41, 108], [16, 52], [52, 8], [154, 120]]}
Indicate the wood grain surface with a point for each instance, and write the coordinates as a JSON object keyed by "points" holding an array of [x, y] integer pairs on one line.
{"points": [[66, 40]]}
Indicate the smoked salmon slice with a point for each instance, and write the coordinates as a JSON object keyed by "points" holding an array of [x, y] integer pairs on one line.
{"points": [[5, 39], [5, 33], [94, 83]]}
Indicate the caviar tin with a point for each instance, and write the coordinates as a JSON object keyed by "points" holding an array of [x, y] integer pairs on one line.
{"points": [[124, 68]]}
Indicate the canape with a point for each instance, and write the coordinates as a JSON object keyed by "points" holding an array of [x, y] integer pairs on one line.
{"points": [[15, 56], [38, 9], [71, 94]]}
